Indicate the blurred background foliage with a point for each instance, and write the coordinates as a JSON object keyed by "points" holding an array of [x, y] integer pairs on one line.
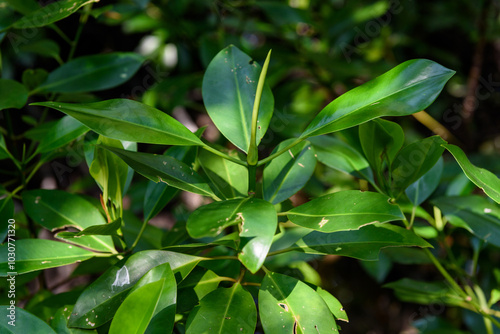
{"points": [[321, 49]]}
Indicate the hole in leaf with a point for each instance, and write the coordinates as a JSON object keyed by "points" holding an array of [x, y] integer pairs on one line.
{"points": [[283, 306]]}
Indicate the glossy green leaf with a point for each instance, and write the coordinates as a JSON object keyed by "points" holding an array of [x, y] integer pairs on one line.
{"points": [[196, 286], [289, 172], [59, 322], [474, 213], [229, 179], [414, 160], [51, 13], [100, 300], [345, 210], [109, 171], [135, 313], [12, 94], [287, 305], [159, 194], [56, 209], [339, 155], [421, 189], [163, 317], [229, 87], [380, 140], [257, 224], [128, 120], [61, 133], [92, 73], [362, 244], [406, 89], [333, 304], [38, 254], [225, 310], [105, 229], [420, 292], [21, 322], [482, 178], [162, 168]]}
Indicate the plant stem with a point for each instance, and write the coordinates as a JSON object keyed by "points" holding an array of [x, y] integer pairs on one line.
{"points": [[446, 275], [223, 155], [252, 175], [136, 241], [61, 33], [253, 154], [280, 152], [83, 19]]}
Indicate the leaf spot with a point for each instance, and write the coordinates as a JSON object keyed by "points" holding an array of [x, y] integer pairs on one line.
{"points": [[291, 154], [122, 278], [301, 165], [37, 199], [486, 210], [338, 249], [323, 222], [283, 306]]}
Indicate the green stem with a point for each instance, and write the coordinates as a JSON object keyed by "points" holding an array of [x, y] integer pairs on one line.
{"points": [[83, 19], [253, 155], [446, 275], [61, 33], [136, 241], [223, 155], [412, 218], [280, 152], [252, 179]]}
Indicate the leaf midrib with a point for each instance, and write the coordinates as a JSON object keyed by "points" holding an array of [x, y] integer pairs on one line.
{"points": [[286, 300]]}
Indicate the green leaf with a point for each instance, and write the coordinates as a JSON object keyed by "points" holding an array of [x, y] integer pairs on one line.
{"points": [[225, 310], [163, 317], [414, 160], [100, 300], [420, 292], [229, 179], [229, 87], [421, 189], [12, 94], [165, 169], [21, 322], [339, 155], [128, 120], [51, 13], [92, 73], [6, 213], [380, 140], [23, 6], [406, 89], [61, 133], [136, 311], [196, 286], [4, 152], [159, 194], [476, 214], [345, 210], [333, 304], [109, 171], [289, 172], [34, 77], [38, 254], [43, 47], [362, 244], [257, 224], [59, 322], [56, 209], [482, 178], [150, 306], [287, 305], [106, 229]]}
